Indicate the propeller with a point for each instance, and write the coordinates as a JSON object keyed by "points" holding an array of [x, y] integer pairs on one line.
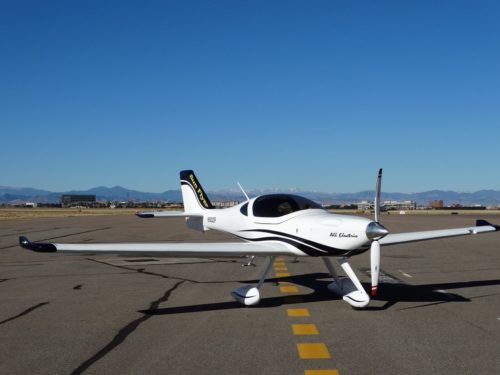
{"points": [[375, 231]]}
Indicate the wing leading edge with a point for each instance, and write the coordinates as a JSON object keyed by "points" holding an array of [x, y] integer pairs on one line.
{"points": [[482, 226], [182, 249]]}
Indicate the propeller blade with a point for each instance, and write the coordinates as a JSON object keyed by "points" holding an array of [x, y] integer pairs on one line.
{"points": [[378, 187], [376, 231], [375, 265]]}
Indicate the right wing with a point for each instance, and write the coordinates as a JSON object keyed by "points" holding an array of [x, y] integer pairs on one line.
{"points": [[180, 249], [482, 226]]}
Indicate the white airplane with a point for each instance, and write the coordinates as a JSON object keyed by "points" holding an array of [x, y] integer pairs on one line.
{"points": [[274, 225]]}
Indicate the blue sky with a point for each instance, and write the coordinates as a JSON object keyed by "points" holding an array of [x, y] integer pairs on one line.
{"points": [[313, 95]]}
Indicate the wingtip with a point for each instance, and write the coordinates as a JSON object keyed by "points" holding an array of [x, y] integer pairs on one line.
{"points": [[25, 243], [482, 223]]}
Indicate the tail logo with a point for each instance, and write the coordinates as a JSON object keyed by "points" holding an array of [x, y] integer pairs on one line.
{"points": [[199, 191]]}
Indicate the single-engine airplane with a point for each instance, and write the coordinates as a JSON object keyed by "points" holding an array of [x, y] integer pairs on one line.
{"points": [[273, 225]]}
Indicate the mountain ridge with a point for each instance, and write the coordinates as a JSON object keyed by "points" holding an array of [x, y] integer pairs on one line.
{"points": [[11, 195]]}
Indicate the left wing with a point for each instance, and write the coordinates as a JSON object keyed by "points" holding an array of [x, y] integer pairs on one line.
{"points": [[482, 226], [182, 249]]}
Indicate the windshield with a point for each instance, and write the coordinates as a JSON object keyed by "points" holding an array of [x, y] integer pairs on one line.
{"points": [[276, 205]]}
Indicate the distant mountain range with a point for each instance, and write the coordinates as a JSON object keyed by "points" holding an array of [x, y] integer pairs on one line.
{"points": [[12, 195]]}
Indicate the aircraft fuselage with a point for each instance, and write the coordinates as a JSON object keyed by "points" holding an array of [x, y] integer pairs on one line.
{"points": [[312, 231]]}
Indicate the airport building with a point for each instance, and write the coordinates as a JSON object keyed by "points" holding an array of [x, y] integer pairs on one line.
{"points": [[437, 203], [69, 200], [388, 205]]}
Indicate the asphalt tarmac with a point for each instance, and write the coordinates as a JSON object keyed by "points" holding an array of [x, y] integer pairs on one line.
{"points": [[438, 309]]}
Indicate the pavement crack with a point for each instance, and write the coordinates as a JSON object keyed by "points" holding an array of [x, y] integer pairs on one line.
{"points": [[27, 311], [76, 233], [125, 331], [78, 287], [150, 273], [27, 230], [138, 270]]}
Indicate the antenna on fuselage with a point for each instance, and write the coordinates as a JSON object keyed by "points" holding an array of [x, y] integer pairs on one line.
{"points": [[241, 188]]}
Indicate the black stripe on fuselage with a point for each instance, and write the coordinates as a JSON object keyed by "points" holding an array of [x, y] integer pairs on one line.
{"points": [[307, 246], [302, 247]]}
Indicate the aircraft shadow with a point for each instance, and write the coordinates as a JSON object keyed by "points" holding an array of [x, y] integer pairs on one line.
{"points": [[390, 293]]}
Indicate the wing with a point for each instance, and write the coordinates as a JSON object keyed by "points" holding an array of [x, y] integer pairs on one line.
{"points": [[182, 249], [482, 226]]}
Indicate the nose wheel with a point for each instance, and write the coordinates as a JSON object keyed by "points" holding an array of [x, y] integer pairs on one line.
{"points": [[349, 288]]}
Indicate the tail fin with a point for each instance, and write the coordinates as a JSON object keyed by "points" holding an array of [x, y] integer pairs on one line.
{"points": [[194, 197]]}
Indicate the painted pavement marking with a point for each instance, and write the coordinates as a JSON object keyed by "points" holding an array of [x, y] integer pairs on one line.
{"points": [[304, 329], [300, 312], [306, 350], [283, 274], [405, 274], [289, 289], [316, 350]]}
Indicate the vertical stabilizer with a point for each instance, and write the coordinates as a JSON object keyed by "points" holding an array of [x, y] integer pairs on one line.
{"points": [[194, 197]]}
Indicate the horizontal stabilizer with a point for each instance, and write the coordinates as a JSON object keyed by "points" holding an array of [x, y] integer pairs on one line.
{"points": [[150, 214]]}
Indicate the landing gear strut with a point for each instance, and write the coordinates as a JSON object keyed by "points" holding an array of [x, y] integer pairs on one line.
{"points": [[249, 295], [250, 262]]}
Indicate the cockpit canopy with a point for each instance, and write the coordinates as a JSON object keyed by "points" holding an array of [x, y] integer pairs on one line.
{"points": [[276, 205]]}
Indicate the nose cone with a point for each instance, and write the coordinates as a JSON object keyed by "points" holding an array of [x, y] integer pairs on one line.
{"points": [[376, 231]]}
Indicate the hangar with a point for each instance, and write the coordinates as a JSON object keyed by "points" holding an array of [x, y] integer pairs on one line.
{"points": [[68, 200]]}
